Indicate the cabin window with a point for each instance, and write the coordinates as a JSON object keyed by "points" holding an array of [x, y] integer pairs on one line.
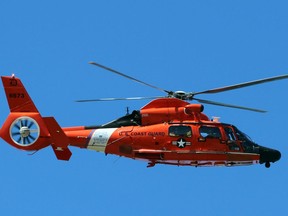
{"points": [[231, 139], [180, 131], [210, 132], [230, 134]]}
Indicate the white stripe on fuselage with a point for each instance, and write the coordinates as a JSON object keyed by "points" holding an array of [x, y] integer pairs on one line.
{"points": [[100, 138]]}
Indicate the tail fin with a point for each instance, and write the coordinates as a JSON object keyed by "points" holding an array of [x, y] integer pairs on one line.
{"points": [[17, 96], [25, 128]]}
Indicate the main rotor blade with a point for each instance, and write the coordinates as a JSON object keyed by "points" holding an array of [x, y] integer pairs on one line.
{"points": [[228, 105], [128, 77], [242, 85], [116, 99]]}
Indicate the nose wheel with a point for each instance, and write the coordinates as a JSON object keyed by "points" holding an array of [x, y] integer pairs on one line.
{"points": [[267, 164]]}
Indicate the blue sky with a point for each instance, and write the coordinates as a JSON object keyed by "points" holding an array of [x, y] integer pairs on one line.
{"points": [[179, 45]]}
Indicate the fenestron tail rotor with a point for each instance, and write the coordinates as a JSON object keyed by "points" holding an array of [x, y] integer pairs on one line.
{"points": [[188, 95], [24, 131]]}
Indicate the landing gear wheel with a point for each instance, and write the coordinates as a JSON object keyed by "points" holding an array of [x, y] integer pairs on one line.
{"points": [[267, 164]]}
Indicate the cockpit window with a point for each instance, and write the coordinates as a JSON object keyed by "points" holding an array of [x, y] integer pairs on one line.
{"points": [[242, 136], [210, 132], [180, 130], [246, 142]]}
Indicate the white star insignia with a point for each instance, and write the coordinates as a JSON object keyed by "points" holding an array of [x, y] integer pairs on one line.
{"points": [[181, 143]]}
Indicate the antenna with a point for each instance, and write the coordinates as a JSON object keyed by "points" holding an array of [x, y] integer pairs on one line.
{"points": [[127, 110]]}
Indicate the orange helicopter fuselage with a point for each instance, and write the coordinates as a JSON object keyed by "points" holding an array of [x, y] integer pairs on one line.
{"points": [[165, 131], [185, 136]]}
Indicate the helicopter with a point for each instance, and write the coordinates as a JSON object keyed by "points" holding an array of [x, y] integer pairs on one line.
{"points": [[168, 130]]}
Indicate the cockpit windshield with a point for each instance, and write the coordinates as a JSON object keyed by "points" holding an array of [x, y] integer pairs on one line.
{"points": [[247, 143], [242, 136]]}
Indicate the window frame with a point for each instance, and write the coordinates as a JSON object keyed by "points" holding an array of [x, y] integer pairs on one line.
{"points": [[209, 136], [188, 133]]}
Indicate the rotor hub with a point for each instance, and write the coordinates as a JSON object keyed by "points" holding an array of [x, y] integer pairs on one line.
{"points": [[24, 131], [182, 95]]}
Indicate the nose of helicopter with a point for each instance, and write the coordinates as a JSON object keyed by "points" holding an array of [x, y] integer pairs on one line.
{"points": [[268, 155]]}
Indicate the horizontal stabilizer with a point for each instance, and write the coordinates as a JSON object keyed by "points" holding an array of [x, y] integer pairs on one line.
{"points": [[62, 153], [59, 139]]}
